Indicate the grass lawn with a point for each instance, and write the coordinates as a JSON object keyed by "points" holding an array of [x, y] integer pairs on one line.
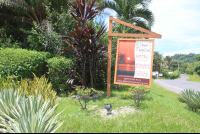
{"points": [[193, 78], [160, 112]]}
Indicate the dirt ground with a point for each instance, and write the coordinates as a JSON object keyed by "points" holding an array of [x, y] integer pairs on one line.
{"points": [[114, 113]]}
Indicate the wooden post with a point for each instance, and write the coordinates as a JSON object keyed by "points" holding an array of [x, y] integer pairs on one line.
{"points": [[109, 59]]}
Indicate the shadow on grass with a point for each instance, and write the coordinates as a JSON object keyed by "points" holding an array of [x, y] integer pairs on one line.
{"points": [[159, 95]]}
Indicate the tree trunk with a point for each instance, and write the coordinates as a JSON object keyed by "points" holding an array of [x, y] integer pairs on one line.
{"points": [[84, 80], [91, 73], [156, 67]]}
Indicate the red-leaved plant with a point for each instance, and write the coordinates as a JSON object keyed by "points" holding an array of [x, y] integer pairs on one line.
{"points": [[86, 49]]}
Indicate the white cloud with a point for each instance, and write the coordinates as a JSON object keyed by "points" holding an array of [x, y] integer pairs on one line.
{"points": [[177, 20]]}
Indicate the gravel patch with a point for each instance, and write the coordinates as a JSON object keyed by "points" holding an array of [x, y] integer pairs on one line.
{"points": [[59, 98], [114, 113]]}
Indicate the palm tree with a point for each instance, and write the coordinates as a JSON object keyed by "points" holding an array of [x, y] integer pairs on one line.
{"points": [[122, 57], [131, 11], [28, 10], [17, 14]]}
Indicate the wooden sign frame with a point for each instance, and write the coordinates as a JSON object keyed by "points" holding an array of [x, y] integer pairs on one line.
{"points": [[129, 77], [110, 34]]}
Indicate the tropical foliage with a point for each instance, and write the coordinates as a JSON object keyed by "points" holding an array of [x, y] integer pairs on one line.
{"points": [[191, 98], [26, 11], [19, 114], [17, 14], [36, 87], [131, 11], [85, 48]]}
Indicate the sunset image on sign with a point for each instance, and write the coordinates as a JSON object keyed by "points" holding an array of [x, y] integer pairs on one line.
{"points": [[126, 58], [134, 62]]}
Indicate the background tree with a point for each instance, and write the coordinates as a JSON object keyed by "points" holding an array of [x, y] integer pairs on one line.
{"points": [[157, 61], [175, 65], [169, 61], [197, 57]]}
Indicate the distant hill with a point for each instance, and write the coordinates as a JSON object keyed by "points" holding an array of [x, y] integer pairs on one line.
{"points": [[187, 58]]}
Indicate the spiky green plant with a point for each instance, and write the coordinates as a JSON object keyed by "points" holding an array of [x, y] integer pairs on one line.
{"points": [[186, 95], [19, 114], [191, 98], [37, 86]]}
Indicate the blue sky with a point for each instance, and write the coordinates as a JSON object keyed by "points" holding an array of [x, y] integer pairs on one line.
{"points": [[178, 21]]}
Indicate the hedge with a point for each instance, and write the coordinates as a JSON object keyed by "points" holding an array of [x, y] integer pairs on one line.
{"points": [[22, 62], [58, 72]]}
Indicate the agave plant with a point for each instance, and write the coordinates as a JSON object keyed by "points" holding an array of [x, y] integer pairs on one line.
{"points": [[19, 114], [186, 95], [194, 101], [191, 98]]}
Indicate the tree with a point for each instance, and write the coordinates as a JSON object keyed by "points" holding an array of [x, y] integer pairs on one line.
{"points": [[157, 60], [28, 11], [175, 65], [131, 11], [197, 57], [17, 14], [85, 47], [122, 57], [169, 61]]}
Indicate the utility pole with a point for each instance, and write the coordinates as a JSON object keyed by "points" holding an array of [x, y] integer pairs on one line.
{"points": [[160, 67], [178, 65]]}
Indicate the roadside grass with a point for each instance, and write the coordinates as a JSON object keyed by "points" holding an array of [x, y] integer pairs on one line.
{"points": [[193, 78], [160, 112]]}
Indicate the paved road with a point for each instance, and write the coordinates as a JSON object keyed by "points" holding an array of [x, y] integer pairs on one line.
{"points": [[178, 85]]}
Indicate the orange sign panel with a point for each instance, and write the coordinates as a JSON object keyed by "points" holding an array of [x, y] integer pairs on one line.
{"points": [[134, 61]]}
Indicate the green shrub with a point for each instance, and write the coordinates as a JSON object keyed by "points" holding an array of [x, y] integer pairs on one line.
{"points": [[36, 87], [58, 72], [19, 114], [137, 94], [174, 75], [21, 62], [165, 73], [9, 82]]}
